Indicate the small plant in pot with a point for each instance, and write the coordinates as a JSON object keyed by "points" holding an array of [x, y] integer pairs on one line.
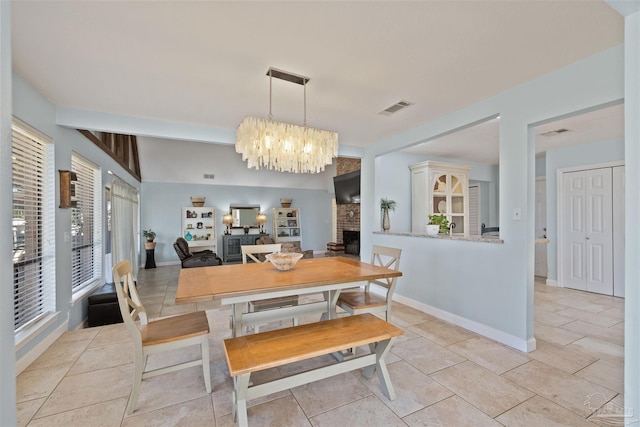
{"points": [[149, 235], [440, 222]]}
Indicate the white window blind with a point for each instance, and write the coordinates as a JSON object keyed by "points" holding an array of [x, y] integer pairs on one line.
{"points": [[32, 225], [86, 225], [474, 210]]}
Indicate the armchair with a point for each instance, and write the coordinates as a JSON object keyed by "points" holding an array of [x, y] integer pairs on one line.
{"points": [[204, 258], [286, 246]]}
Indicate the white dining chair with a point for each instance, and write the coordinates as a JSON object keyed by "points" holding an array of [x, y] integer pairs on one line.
{"points": [[365, 301], [160, 335], [253, 252]]}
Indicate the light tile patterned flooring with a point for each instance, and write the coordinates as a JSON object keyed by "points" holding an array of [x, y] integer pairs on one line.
{"points": [[443, 375]]}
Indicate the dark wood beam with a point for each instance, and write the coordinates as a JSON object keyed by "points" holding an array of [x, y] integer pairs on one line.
{"points": [[120, 148]]}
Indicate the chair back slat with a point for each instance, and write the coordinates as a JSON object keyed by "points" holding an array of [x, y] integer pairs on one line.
{"points": [[250, 251], [129, 301], [388, 258]]}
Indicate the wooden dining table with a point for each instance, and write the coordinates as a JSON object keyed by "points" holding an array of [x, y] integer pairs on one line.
{"points": [[237, 284]]}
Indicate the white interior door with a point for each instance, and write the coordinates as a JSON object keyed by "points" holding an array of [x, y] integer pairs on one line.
{"points": [[587, 231], [540, 268], [574, 231], [599, 236]]}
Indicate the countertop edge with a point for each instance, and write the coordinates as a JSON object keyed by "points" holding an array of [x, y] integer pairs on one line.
{"points": [[442, 237]]}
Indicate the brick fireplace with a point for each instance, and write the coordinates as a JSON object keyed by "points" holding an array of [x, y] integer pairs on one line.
{"points": [[348, 216]]}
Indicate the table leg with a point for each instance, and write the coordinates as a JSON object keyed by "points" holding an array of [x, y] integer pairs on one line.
{"points": [[382, 348], [331, 297], [236, 319]]}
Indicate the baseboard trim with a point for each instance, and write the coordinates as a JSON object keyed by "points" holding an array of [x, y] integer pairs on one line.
{"points": [[162, 264], [471, 325], [37, 351], [552, 282]]}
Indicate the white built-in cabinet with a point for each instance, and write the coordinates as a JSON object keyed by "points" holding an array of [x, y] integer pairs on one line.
{"points": [[591, 222], [286, 224], [440, 188], [199, 227]]}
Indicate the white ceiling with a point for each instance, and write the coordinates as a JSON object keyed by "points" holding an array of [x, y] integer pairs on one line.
{"points": [[204, 63]]}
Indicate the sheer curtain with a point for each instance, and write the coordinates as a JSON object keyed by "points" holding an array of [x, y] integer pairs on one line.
{"points": [[124, 223]]}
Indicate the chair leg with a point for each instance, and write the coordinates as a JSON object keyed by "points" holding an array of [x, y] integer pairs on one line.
{"points": [[138, 369], [206, 369]]}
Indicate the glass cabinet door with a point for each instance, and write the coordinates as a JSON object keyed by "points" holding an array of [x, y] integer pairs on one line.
{"points": [[440, 190]]}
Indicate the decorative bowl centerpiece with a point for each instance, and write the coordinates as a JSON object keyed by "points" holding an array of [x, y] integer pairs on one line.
{"points": [[283, 261]]}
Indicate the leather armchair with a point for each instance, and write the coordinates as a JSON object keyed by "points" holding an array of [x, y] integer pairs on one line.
{"points": [[286, 246], [204, 258]]}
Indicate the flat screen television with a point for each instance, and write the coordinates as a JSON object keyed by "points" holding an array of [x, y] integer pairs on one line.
{"points": [[347, 188]]}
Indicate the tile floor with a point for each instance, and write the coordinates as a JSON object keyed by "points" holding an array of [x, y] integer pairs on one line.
{"points": [[443, 375]]}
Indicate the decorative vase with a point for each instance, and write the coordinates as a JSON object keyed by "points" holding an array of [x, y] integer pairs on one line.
{"points": [[188, 236], [386, 225], [149, 244], [433, 229]]}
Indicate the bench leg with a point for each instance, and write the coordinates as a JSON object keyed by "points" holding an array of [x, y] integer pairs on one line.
{"points": [[206, 369], [382, 349], [241, 385]]}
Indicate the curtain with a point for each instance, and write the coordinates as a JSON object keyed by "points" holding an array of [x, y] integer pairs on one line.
{"points": [[124, 223]]}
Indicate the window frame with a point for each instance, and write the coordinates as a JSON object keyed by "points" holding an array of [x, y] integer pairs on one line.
{"points": [[88, 195], [33, 171]]}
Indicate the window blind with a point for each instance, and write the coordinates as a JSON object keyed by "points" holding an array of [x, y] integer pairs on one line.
{"points": [[86, 225], [32, 224]]}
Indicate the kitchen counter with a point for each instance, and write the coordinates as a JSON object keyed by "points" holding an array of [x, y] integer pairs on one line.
{"points": [[485, 239]]}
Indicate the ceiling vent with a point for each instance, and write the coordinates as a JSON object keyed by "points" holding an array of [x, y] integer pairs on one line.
{"points": [[554, 132], [400, 105]]}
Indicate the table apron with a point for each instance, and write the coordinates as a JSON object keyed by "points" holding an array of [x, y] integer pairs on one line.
{"points": [[265, 316], [288, 292]]}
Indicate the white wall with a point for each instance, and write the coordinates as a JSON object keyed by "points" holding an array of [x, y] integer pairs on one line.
{"points": [[171, 160], [172, 172], [632, 210], [7, 356], [162, 203], [489, 287], [32, 108]]}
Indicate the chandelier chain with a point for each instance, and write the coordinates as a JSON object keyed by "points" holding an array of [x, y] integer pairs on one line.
{"points": [[270, 84]]}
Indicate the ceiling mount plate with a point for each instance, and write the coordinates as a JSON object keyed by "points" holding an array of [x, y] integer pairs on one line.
{"points": [[290, 77]]}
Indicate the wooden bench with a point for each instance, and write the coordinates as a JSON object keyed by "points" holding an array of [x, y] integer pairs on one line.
{"points": [[253, 353]]}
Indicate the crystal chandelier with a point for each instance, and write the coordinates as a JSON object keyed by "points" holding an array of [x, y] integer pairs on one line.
{"points": [[284, 147]]}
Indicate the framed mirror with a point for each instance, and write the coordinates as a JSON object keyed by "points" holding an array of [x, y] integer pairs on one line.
{"points": [[244, 215]]}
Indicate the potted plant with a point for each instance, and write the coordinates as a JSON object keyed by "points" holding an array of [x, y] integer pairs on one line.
{"points": [[149, 235], [440, 221], [386, 205]]}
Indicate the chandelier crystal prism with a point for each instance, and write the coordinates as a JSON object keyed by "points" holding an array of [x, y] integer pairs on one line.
{"points": [[285, 147]]}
